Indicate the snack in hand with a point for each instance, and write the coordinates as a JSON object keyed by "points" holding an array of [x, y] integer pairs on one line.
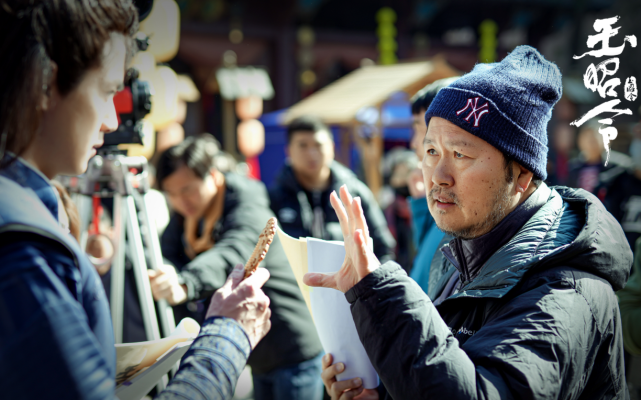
{"points": [[260, 251]]}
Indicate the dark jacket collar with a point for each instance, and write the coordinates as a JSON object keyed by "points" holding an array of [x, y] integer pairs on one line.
{"points": [[27, 176], [468, 256], [339, 175]]}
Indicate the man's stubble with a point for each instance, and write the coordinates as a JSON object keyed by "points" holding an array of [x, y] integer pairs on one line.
{"points": [[499, 203]]}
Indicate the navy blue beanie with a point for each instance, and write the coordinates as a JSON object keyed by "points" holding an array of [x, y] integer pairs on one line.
{"points": [[508, 104]]}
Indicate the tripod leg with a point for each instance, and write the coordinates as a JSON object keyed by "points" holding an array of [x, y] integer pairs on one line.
{"points": [[140, 271], [165, 312], [84, 205], [142, 279], [118, 268]]}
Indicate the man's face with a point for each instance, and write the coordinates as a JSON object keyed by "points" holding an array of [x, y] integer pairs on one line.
{"points": [[309, 152], [418, 133], [73, 125], [469, 189], [188, 194]]}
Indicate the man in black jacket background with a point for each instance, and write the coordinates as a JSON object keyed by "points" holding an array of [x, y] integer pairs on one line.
{"points": [[215, 225], [300, 193]]}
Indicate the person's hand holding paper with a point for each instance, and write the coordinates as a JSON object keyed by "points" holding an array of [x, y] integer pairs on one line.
{"points": [[347, 388], [359, 258], [359, 261]]}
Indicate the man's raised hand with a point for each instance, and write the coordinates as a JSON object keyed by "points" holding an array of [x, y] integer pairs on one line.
{"points": [[359, 259]]}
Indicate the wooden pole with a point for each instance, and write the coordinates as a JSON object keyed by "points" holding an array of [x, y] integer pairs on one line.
{"points": [[229, 128], [371, 154]]}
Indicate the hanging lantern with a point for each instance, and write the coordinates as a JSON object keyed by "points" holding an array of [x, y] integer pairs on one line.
{"points": [[250, 107], [163, 27], [488, 41], [251, 137], [164, 90], [144, 62]]}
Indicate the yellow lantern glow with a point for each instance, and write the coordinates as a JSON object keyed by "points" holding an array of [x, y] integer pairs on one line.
{"points": [[144, 62], [164, 101], [163, 28], [251, 137], [250, 107]]}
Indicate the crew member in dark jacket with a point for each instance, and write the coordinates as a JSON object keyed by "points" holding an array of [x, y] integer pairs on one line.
{"points": [[300, 193], [527, 309], [216, 223]]}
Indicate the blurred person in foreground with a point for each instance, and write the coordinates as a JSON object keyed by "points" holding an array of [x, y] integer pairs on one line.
{"points": [[527, 309], [300, 193], [216, 220], [428, 238], [62, 62]]}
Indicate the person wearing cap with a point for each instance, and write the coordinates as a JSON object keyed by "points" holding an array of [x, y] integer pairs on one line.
{"points": [[527, 308]]}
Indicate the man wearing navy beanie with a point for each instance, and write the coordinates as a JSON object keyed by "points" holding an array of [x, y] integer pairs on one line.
{"points": [[527, 307]]}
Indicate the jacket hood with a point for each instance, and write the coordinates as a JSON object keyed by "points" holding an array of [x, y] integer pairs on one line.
{"points": [[572, 229]]}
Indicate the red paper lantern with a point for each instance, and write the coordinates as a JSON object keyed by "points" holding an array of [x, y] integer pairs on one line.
{"points": [[250, 107], [251, 137]]}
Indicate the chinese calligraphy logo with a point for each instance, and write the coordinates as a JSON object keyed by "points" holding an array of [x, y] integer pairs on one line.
{"points": [[595, 78]]}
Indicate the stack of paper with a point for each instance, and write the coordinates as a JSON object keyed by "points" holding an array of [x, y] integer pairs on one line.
{"points": [[139, 366], [329, 308]]}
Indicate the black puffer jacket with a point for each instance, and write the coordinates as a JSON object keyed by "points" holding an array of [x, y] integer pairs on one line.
{"points": [[294, 211], [292, 338], [539, 321]]}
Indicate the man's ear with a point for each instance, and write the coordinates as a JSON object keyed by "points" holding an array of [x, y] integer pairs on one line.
{"points": [[287, 150], [50, 94], [523, 177]]}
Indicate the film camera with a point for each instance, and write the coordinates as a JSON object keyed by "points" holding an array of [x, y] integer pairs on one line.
{"points": [[134, 101]]}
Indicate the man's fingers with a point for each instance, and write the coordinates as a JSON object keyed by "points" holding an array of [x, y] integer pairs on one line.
{"points": [[166, 269], [361, 263], [347, 201], [316, 279], [152, 274], [340, 213], [330, 372], [161, 281], [327, 360], [236, 275], [162, 293], [257, 279], [359, 218], [348, 384], [350, 394]]}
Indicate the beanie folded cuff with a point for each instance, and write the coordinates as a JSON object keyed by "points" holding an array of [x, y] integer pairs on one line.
{"points": [[478, 115]]}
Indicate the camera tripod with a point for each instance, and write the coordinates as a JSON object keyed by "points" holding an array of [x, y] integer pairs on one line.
{"points": [[113, 174]]}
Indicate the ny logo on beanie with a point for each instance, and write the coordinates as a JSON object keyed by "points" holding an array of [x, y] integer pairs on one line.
{"points": [[478, 112], [514, 98]]}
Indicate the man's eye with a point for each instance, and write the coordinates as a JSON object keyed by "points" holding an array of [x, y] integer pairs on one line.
{"points": [[458, 155], [432, 152]]}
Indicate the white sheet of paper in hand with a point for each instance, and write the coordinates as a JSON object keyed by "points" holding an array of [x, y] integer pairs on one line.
{"points": [[333, 318]]}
